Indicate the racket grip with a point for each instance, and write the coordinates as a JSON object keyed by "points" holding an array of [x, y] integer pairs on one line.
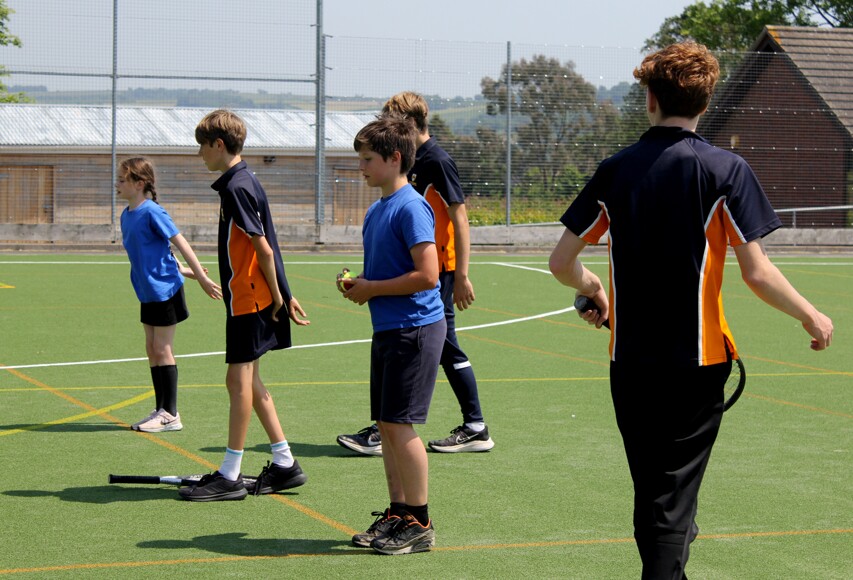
{"points": [[152, 479], [585, 304]]}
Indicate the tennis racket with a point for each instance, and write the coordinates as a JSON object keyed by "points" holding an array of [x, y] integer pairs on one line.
{"points": [[179, 480], [734, 384]]}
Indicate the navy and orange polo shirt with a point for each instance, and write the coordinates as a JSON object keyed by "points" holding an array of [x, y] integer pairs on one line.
{"points": [[244, 212], [673, 203], [435, 176]]}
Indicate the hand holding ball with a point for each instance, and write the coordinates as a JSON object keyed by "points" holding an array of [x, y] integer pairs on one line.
{"points": [[345, 280]]}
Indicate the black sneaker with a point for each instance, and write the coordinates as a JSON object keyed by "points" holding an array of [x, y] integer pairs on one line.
{"points": [[367, 441], [463, 439], [276, 478], [378, 529], [407, 536], [214, 487]]}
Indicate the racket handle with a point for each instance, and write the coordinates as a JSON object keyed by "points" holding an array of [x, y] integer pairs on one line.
{"points": [[585, 304], [151, 479]]}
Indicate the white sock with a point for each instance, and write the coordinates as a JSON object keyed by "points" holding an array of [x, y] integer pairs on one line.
{"points": [[281, 454], [230, 468], [476, 427]]}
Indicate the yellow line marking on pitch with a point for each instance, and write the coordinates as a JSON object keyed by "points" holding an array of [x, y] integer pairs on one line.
{"points": [[5, 286], [356, 552], [154, 439]]}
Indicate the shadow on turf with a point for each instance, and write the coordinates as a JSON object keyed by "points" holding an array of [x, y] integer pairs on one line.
{"points": [[104, 494], [299, 450], [101, 494], [235, 544]]}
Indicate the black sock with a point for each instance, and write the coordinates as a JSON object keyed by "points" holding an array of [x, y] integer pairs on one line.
{"points": [[158, 388], [169, 378], [420, 513], [397, 509]]}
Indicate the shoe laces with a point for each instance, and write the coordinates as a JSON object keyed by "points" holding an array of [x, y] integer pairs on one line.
{"points": [[380, 517], [261, 478], [205, 479], [368, 431]]}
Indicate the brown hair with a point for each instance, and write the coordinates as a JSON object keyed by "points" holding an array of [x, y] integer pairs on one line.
{"points": [[225, 125], [140, 169], [389, 133], [682, 77], [411, 105]]}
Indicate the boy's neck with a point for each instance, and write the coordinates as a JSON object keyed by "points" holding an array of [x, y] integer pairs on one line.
{"points": [[394, 186], [229, 163], [422, 138]]}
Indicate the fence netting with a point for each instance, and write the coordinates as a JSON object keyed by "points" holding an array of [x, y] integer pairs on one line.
{"points": [[527, 124]]}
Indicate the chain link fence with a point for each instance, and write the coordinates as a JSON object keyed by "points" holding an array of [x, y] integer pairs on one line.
{"points": [[527, 124]]}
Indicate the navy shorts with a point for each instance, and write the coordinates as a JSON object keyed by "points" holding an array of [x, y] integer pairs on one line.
{"points": [[403, 369], [166, 313], [249, 336]]}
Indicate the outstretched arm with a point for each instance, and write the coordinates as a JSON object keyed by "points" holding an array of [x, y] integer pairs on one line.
{"points": [[768, 283], [199, 272]]}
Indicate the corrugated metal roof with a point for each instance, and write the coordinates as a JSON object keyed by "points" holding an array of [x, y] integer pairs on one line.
{"points": [[149, 127], [825, 58]]}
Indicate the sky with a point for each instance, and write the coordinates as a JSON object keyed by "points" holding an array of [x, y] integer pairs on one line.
{"points": [[162, 37], [607, 23]]}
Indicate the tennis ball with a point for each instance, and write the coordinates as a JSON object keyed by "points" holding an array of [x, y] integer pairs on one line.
{"points": [[344, 280]]}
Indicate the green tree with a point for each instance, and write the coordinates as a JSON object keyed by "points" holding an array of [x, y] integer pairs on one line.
{"points": [[7, 39], [554, 113], [736, 24]]}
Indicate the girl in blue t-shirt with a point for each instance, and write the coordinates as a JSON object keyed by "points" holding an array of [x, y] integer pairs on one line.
{"points": [[158, 279]]}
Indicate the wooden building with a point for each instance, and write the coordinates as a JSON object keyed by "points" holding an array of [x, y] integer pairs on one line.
{"points": [[56, 164], [787, 108]]}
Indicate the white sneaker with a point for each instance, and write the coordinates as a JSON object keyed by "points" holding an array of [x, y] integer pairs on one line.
{"points": [[162, 421], [150, 416]]}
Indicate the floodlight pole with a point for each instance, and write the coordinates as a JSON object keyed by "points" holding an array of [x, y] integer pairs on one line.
{"points": [[113, 175], [320, 126], [509, 100]]}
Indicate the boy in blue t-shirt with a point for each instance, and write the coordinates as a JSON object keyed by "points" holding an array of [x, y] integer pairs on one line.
{"points": [[400, 285]]}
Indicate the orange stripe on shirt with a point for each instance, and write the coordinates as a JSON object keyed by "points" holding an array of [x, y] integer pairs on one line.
{"points": [[249, 289]]}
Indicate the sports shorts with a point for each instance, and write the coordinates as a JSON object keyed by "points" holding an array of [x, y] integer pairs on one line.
{"points": [[403, 369], [166, 313], [249, 336]]}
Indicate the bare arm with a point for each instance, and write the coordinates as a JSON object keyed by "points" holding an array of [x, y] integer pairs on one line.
{"points": [[768, 283], [423, 277], [569, 271], [266, 261], [463, 289], [199, 272]]}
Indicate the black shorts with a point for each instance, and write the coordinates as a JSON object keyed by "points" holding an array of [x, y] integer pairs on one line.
{"points": [[403, 368], [249, 336], [166, 313]]}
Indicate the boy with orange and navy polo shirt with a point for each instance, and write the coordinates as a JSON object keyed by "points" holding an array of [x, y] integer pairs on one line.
{"points": [[256, 293]]}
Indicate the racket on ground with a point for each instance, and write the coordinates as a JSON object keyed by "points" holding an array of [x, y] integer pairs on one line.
{"points": [[179, 480], [734, 384]]}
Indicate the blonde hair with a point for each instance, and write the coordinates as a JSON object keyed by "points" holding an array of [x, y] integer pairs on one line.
{"points": [[410, 105]]}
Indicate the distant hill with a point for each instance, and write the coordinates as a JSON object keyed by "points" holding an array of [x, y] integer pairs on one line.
{"points": [[463, 116]]}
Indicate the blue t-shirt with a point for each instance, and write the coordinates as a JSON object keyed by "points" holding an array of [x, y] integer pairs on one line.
{"points": [[145, 233], [392, 226]]}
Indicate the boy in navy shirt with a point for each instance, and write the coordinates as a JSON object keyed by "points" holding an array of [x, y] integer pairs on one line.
{"points": [[673, 188], [256, 296]]}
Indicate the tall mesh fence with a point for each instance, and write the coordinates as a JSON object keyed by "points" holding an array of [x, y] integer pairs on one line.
{"points": [[527, 124]]}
